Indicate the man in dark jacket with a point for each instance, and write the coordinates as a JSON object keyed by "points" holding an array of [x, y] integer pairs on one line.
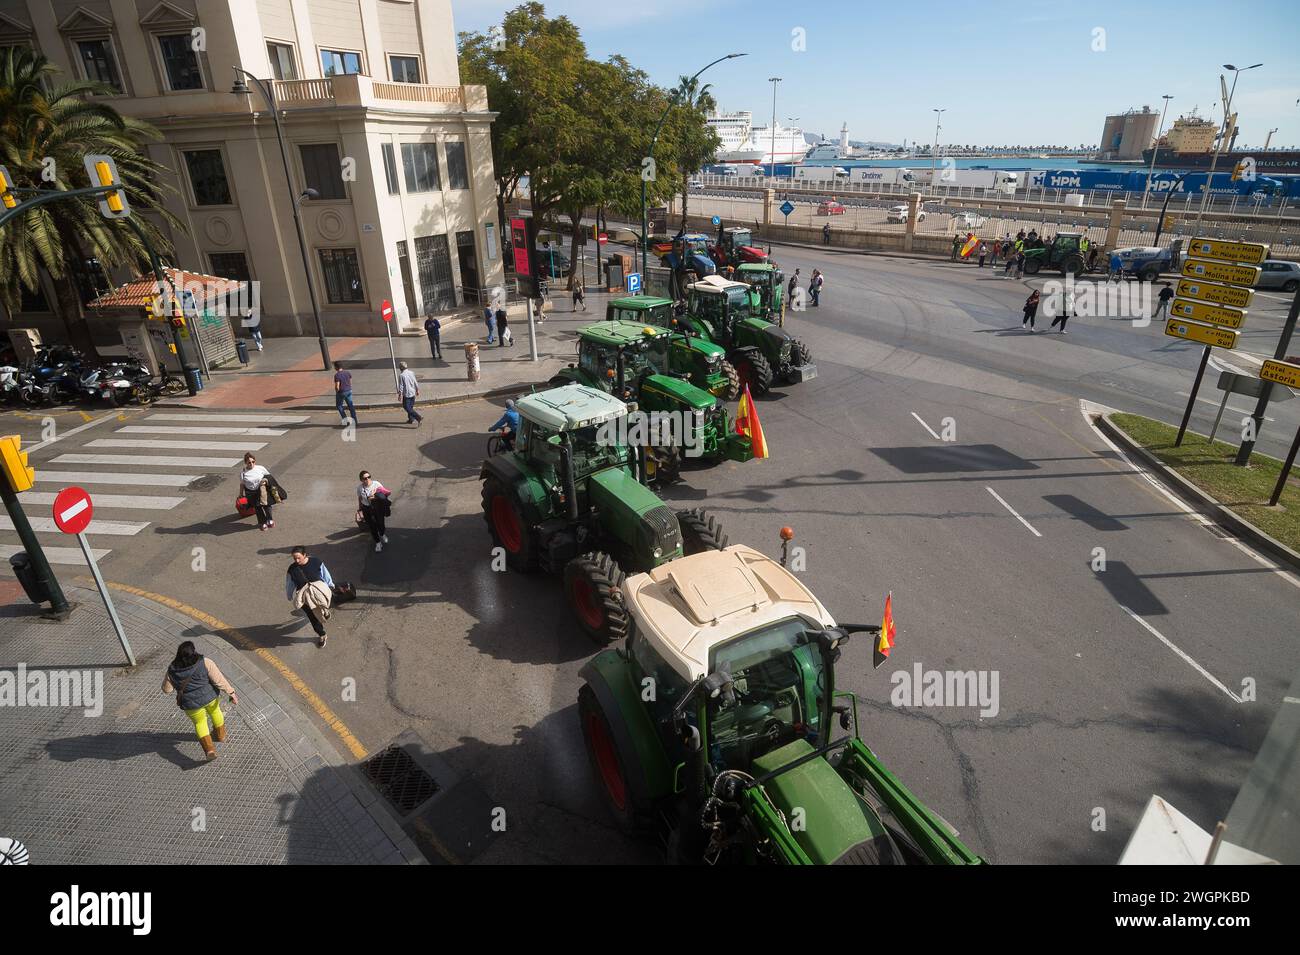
{"points": [[302, 573], [433, 328]]}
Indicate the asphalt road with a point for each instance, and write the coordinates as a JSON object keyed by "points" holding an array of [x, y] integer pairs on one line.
{"points": [[1112, 684]]}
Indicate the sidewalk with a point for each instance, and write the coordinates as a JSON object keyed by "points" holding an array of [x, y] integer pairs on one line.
{"points": [[130, 786], [288, 374]]}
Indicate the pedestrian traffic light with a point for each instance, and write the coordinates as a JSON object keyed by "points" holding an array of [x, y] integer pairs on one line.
{"points": [[14, 462], [103, 172], [7, 184], [178, 322]]}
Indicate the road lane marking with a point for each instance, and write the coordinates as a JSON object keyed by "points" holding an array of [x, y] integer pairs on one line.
{"points": [[104, 477], [57, 555], [146, 460], [319, 706], [1031, 527], [1170, 644], [169, 429], [67, 434], [46, 525], [252, 418], [148, 443], [133, 501], [926, 426]]}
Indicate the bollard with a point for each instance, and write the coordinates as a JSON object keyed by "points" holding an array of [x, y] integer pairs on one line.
{"points": [[471, 361]]}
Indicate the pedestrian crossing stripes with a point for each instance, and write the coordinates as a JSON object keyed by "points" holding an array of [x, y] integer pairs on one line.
{"points": [[137, 502], [248, 418], [111, 528], [146, 460], [57, 555], [147, 443], [65, 478], [174, 429]]}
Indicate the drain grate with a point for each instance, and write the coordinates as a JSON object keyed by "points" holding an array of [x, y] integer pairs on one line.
{"points": [[399, 779]]}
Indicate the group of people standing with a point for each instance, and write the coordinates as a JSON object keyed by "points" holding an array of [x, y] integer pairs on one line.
{"points": [[814, 287]]}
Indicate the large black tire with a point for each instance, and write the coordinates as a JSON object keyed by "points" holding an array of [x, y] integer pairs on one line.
{"points": [[733, 381], [607, 762], [1291, 286], [1149, 273], [1073, 265], [591, 583], [506, 523], [700, 531], [1033, 265], [558, 381], [800, 354], [668, 465], [754, 369]]}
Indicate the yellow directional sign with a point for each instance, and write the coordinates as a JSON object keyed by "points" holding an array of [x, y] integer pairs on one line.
{"points": [[1230, 295], [1225, 251], [1221, 272], [1202, 334], [1204, 312], [1283, 372]]}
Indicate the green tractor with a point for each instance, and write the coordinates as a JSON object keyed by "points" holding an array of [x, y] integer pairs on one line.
{"points": [[717, 723], [718, 310], [1064, 253], [701, 361], [766, 290], [568, 499], [631, 362]]}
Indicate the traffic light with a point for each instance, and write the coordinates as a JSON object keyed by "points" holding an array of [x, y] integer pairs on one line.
{"points": [[14, 463], [177, 322], [103, 172], [6, 184]]}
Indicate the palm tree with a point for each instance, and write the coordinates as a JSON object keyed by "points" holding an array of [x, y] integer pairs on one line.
{"points": [[46, 129], [695, 150]]}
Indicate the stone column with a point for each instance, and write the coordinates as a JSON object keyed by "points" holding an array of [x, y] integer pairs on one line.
{"points": [[1113, 226], [913, 204], [769, 196]]}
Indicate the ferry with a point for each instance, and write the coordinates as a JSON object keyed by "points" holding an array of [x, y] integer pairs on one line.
{"points": [[747, 144]]}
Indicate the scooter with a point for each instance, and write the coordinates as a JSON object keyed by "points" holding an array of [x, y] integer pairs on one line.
{"points": [[55, 376], [122, 382], [9, 384]]}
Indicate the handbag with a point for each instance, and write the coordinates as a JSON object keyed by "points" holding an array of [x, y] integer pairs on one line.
{"points": [[243, 507], [382, 503], [344, 593], [277, 493]]}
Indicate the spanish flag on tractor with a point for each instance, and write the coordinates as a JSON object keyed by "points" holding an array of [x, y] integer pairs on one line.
{"points": [[747, 424], [885, 641]]}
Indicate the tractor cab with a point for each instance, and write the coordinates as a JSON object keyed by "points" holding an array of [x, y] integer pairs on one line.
{"points": [[766, 289], [618, 356], [1066, 252], [641, 309], [569, 417], [735, 246], [701, 361], [714, 306]]}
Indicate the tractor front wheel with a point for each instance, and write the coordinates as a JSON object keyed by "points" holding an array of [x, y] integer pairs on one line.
{"points": [[800, 354], [754, 372], [510, 531], [1073, 265], [591, 583], [733, 381], [606, 761], [700, 531], [667, 465], [1032, 265]]}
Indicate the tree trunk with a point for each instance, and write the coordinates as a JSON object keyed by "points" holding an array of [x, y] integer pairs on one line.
{"points": [[686, 195], [574, 249], [74, 321]]}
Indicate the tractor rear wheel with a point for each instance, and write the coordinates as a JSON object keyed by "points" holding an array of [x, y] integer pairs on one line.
{"points": [[1073, 265], [606, 761], [505, 520], [591, 583], [1149, 273], [558, 381], [667, 465], [1032, 265], [700, 531], [754, 371], [733, 381]]}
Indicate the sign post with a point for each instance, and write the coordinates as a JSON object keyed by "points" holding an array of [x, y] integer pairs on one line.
{"points": [[386, 313], [18, 477], [72, 512], [787, 207], [1283, 373]]}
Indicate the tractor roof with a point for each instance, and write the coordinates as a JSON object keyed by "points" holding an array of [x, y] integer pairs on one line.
{"points": [[756, 267], [717, 285], [619, 334], [570, 407], [641, 302], [686, 607]]}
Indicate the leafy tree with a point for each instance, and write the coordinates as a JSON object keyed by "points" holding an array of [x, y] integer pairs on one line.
{"points": [[46, 128]]}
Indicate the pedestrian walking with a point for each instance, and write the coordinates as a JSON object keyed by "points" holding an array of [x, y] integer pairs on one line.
{"points": [[1162, 302], [1092, 259], [198, 684], [997, 251], [579, 297], [815, 287], [491, 324], [373, 508], [956, 246], [255, 482], [1067, 306], [793, 284], [1010, 263], [253, 322], [433, 328], [826, 234], [983, 252], [1020, 264], [504, 336], [343, 393], [1031, 309], [408, 389], [310, 588]]}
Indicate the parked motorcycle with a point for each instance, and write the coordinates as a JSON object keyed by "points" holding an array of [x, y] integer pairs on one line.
{"points": [[121, 382], [54, 378], [9, 384]]}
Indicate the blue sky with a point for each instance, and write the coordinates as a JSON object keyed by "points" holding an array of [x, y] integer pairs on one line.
{"points": [[1018, 72]]}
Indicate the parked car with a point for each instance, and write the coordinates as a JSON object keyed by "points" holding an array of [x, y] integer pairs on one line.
{"points": [[968, 220], [830, 208], [1279, 275], [899, 214], [695, 184], [554, 262]]}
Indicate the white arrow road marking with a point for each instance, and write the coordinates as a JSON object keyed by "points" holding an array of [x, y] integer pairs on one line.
{"points": [[46, 525], [1167, 642], [157, 461], [131, 501], [106, 477], [1032, 530], [58, 555]]}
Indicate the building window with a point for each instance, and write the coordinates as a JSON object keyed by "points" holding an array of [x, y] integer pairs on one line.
{"points": [[179, 62], [230, 265], [420, 163], [457, 169], [390, 169], [207, 177], [281, 57], [97, 62], [342, 276], [405, 69], [339, 62], [321, 170]]}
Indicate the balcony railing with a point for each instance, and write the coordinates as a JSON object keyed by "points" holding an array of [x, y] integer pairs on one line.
{"points": [[354, 89]]}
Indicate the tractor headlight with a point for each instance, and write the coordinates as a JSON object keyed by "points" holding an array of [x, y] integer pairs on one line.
{"points": [[658, 552], [785, 351], [715, 360]]}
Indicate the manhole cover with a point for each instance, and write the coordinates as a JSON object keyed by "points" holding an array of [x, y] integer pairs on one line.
{"points": [[399, 779]]}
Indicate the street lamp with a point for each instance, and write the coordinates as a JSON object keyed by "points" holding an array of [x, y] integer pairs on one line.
{"points": [[240, 88], [934, 153], [771, 169], [1155, 149], [1223, 134], [654, 138]]}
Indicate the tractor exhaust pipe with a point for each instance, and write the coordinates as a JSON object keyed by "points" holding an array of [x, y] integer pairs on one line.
{"points": [[567, 481]]}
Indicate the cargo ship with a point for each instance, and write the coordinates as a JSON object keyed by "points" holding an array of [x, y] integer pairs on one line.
{"points": [[1190, 142]]}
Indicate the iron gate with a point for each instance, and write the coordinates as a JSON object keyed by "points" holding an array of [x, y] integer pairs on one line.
{"points": [[433, 265]]}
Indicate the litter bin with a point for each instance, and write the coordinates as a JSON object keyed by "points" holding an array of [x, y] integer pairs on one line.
{"points": [[242, 348], [23, 570], [196, 380]]}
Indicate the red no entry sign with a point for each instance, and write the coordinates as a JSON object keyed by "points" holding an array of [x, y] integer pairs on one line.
{"points": [[72, 510], [386, 310]]}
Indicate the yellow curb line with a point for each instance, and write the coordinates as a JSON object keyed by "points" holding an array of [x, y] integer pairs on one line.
{"points": [[315, 702]]}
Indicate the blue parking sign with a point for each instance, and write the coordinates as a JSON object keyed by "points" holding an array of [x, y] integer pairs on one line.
{"points": [[633, 280]]}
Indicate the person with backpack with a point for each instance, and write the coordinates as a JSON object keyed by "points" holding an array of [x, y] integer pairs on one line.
{"points": [[310, 588], [255, 483], [373, 508], [815, 286], [198, 684], [1031, 309]]}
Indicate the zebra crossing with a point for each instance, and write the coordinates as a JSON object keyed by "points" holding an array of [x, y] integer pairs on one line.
{"points": [[144, 470]]}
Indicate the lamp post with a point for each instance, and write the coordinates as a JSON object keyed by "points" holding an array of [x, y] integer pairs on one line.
{"points": [[654, 138], [240, 88], [1223, 134], [1155, 149], [934, 153], [771, 168]]}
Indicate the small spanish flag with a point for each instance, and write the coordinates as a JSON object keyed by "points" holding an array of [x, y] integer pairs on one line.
{"points": [[970, 246], [747, 424], [885, 642]]}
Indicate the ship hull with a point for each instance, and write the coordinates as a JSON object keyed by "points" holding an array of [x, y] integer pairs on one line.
{"points": [[1273, 161]]}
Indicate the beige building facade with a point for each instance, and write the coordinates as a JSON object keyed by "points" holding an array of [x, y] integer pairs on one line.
{"points": [[374, 119]]}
